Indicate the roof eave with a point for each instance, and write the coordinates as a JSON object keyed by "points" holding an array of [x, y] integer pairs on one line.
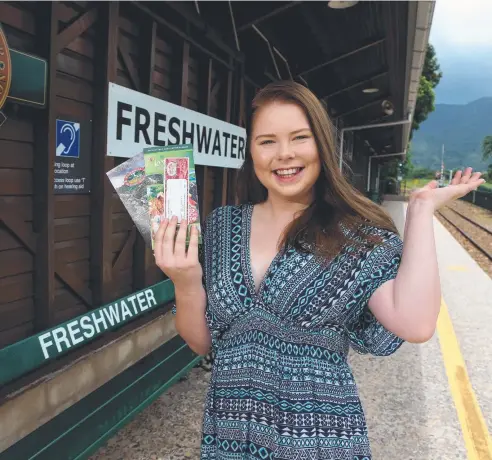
{"points": [[419, 25]]}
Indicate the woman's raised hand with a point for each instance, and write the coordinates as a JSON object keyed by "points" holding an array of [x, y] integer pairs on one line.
{"points": [[461, 185], [180, 265]]}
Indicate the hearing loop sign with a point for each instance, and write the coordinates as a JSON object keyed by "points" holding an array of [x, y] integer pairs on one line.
{"points": [[72, 156]]}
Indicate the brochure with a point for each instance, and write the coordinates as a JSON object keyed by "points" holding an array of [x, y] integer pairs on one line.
{"points": [[130, 182], [157, 183], [172, 189]]}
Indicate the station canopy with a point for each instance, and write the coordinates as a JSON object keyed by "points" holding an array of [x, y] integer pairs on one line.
{"points": [[363, 59]]}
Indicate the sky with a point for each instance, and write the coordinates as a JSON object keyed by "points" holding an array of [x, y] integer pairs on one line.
{"points": [[461, 33]]}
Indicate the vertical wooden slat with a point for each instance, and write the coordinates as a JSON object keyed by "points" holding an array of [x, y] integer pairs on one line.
{"points": [[102, 191], [228, 119], [43, 219], [185, 74], [140, 251], [206, 169], [241, 116]]}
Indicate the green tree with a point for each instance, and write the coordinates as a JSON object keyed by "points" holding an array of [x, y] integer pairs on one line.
{"points": [[487, 154], [430, 78], [487, 148], [407, 166]]}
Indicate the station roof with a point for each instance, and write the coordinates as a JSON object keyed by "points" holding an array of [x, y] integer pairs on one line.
{"points": [[337, 52]]}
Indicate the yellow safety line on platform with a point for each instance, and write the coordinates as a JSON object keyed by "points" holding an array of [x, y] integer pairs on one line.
{"points": [[477, 439]]}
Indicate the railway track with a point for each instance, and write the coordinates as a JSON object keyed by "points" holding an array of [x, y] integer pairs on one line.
{"points": [[459, 228]]}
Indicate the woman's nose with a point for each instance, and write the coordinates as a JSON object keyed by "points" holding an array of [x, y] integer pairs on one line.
{"points": [[285, 151]]}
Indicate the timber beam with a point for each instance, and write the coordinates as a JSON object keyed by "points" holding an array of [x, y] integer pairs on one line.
{"points": [[363, 46], [44, 205], [102, 191], [364, 81], [264, 17]]}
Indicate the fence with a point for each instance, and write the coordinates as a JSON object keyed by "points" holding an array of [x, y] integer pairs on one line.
{"points": [[480, 198]]}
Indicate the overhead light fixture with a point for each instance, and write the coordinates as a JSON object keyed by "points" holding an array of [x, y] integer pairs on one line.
{"points": [[370, 90], [388, 107], [341, 5]]}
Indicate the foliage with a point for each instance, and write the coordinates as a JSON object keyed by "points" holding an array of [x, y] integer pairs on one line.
{"points": [[407, 167], [430, 78], [421, 173], [488, 175], [487, 148], [431, 70]]}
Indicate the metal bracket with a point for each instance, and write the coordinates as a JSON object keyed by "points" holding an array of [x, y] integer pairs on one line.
{"points": [[361, 127]]}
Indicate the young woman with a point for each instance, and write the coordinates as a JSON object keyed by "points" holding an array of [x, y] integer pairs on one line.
{"points": [[303, 268]]}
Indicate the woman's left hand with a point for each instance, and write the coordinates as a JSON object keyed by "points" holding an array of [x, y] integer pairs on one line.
{"points": [[461, 185]]}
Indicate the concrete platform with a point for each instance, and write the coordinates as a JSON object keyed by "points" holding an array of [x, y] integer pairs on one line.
{"points": [[410, 408]]}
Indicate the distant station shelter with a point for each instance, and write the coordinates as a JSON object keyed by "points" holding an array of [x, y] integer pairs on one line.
{"points": [[86, 334]]}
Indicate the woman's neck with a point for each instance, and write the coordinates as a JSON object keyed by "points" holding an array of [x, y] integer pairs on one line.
{"points": [[281, 210]]}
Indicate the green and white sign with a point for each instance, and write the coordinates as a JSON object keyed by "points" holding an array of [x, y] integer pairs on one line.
{"points": [[29, 354]]}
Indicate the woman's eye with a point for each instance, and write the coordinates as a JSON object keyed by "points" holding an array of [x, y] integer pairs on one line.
{"points": [[266, 142], [301, 136]]}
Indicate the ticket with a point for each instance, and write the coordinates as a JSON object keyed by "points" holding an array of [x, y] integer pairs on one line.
{"points": [[176, 178]]}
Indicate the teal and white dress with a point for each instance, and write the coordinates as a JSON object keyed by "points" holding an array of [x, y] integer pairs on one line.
{"points": [[281, 387]]}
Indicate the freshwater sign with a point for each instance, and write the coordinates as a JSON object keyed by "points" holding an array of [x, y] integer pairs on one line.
{"points": [[137, 121], [31, 353]]}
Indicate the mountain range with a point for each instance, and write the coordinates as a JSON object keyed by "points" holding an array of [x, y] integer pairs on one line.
{"points": [[461, 128]]}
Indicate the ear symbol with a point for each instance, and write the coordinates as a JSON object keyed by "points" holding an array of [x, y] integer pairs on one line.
{"points": [[68, 127]]}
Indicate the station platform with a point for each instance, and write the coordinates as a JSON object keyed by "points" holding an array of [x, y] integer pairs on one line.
{"points": [[426, 402]]}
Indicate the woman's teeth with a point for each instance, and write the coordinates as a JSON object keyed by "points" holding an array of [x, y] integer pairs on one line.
{"points": [[287, 172]]}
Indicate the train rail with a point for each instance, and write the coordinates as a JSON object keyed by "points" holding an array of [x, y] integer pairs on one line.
{"points": [[479, 245]]}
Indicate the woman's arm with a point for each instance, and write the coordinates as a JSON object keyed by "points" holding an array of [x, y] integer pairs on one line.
{"points": [[190, 318], [184, 270], [409, 305]]}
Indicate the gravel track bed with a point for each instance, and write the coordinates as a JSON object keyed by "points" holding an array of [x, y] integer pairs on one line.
{"points": [[480, 215]]}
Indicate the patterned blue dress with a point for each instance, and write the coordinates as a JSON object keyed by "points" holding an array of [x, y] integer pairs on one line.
{"points": [[281, 387]]}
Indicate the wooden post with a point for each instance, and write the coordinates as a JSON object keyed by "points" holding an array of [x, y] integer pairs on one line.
{"points": [[102, 191], [184, 74], [140, 250], [43, 196], [206, 170], [228, 117]]}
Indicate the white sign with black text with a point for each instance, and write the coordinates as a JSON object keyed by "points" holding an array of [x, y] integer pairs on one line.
{"points": [[137, 121]]}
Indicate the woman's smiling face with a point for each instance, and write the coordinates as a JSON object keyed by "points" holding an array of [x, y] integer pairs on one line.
{"points": [[284, 151]]}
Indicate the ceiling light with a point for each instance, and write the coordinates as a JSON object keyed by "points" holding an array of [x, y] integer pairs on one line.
{"points": [[340, 5], [370, 90]]}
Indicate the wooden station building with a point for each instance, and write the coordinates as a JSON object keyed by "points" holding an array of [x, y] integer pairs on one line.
{"points": [[70, 257]]}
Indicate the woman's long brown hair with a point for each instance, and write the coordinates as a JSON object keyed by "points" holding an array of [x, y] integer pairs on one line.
{"points": [[336, 204]]}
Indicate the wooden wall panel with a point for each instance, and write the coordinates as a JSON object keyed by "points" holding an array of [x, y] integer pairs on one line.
{"points": [[16, 187], [129, 34], [90, 235], [74, 86]]}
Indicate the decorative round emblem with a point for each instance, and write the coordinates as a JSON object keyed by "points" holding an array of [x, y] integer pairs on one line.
{"points": [[5, 68]]}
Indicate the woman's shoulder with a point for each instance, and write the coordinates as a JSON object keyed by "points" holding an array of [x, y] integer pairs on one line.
{"points": [[367, 240], [383, 234]]}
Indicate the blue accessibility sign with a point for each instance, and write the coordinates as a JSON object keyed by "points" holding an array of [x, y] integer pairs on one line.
{"points": [[67, 139]]}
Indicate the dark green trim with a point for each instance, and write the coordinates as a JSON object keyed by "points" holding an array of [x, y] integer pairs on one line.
{"points": [[80, 430], [24, 356]]}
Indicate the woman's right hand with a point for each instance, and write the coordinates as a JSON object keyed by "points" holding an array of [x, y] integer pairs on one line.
{"points": [[180, 265]]}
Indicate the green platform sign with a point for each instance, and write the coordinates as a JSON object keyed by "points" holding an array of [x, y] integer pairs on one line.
{"points": [[31, 353], [29, 79]]}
